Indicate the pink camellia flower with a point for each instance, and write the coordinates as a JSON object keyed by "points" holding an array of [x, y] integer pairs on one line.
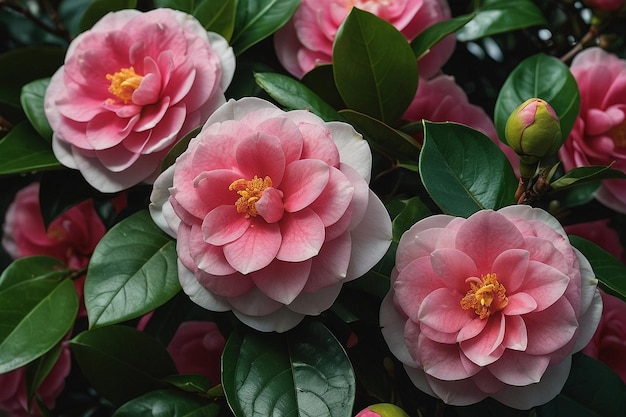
{"points": [[490, 306], [307, 39], [132, 86], [608, 344], [13, 392], [196, 348], [272, 213], [599, 134], [605, 5], [71, 237]]}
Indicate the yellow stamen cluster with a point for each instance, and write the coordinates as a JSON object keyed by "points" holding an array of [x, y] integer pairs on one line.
{"points": [[486, 295], [250, 192], [618, 134], [124, 83]]}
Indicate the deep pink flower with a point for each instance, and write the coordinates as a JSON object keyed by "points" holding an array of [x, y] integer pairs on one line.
{"points": [[272, 213], [71, 237], [605, 5], [196, 348], [600, 233], [132, 86], [490, 306], [608, 344], [307, 39], [599, 134], [13, 394]]}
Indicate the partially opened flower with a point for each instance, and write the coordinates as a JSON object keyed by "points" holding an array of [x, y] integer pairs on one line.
{"points": [[490, 306], [132, 86], [272, 213], [307, 39]]}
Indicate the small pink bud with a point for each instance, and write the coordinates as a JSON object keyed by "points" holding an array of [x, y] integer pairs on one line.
{"points": [[382, 410]]}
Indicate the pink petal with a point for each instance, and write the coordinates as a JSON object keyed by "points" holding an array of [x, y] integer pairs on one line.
{"points": [[486, 234], [598, 122], [414, 283], [261, 155], [223, 225], [334, 200], [510, 268], [302, 236], [331, 265], [519, 303], [516, 336], [444, 361], [519, 368], [254, 303], [453, 267], [437, 336], [207, 258], [270, 205], [442, 311], [282, 281], [487, 347], [551, 328], [210, 190], [313, 303], [303, 182], [149, 88], [151, 115], [232, 285], [471, 329], [288, 134], [106, 130], [318, 143], [545, 284], [278, 321], [255, 249], [461, 392]]}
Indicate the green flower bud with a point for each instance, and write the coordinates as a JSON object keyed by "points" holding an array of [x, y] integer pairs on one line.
{"points": [[533, 131], [382, 410]]}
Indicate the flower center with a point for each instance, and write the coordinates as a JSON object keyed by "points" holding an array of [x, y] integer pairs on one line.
{"points": [[618, 134], [124, 83], [486, 295], [250, 192]]}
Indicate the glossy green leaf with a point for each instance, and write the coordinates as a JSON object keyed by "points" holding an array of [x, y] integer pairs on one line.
{"points": [[39, 369], [217, 16], [132, 271], [122, 363], [374, 66], [609, 271], [463, 170], [384, 137], [24, 150], [321, 81], [190, 382], [544, 77], [414, 211], [591, 390], [98, 8], [31, 268], [34, 316], [499, 16], [32, 98], [303, 372], [433, 34], [169, 403], [582, 175], [186, 6], [20, 66], [258, 19], [292, 94]]}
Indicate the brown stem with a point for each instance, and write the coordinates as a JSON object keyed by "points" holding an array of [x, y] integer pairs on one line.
{"points": [[58, 30]]}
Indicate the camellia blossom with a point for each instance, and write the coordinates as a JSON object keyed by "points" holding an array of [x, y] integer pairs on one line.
{"points": [[599, 133], [307, 39], [131, 87], [196, 348], [71, 237], [605, 5], [14, 394], [272, 213], [490, 306]]}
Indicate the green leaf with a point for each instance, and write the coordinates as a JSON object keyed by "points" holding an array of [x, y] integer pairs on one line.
{"points": [[169, 403], [374, 66], [499, 16], [414, 211], [98, 8], [38, 370], [382, 136], [464, 171], [35, 316], [544, 77], [433, 34], [186, 6], [586, 174], [132, 271], [610, 272], [190, 382], [24, 150], [20, 66], [302, 372], [32, 98], [591, 390], [31, 268], [292, 94], [217, 16], [121, 362], [258, 19]]}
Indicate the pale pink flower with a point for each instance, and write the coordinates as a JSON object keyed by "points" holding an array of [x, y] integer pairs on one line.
{"points": [[605, 5], [272, 213], [490, 306], [71, 237], [307, 39], [608, 344], [132, 86], [196, 348], [599, 134], [13, 394]]}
